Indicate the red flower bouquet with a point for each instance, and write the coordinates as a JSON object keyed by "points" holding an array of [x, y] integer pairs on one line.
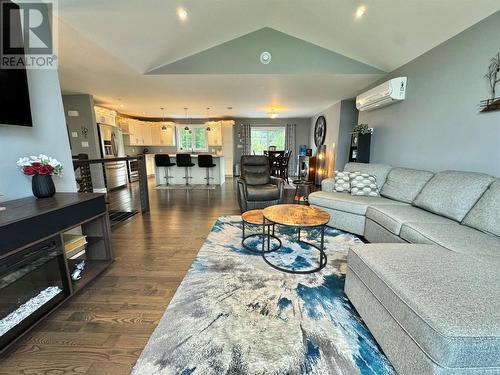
{"points": [[41, 164]]}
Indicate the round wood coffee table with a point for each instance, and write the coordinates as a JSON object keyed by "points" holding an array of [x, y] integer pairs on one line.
{"points": [[254, 217], [300, 217]]}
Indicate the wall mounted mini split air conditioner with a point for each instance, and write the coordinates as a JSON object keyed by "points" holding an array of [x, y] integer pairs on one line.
{"points": [[387, 93]]}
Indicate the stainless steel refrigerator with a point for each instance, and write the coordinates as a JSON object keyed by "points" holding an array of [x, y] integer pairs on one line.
{"points": [[112, 147]]}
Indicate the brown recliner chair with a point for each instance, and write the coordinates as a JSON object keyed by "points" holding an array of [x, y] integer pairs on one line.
{"points": [[256, 187]]}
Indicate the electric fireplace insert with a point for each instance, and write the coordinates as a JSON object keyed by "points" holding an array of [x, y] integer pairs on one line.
{"points": [[32, 282]]}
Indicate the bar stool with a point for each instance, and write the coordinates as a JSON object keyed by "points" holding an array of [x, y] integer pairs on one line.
{"points": [[206, 161], [163, 160], [184, 160]]}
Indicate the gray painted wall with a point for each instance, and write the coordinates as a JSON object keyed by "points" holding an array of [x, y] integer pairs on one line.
{"points": [[348, 119], [290, 55], [302, 136], [439, 126], [340, 118], [332, 117], [84, 104], [47, 136]]}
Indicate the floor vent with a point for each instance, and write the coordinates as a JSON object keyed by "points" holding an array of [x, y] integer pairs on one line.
{"points": [[118, 217]]}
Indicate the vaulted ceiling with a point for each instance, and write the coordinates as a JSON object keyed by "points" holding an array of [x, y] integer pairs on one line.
{"points": [[138, 56]]}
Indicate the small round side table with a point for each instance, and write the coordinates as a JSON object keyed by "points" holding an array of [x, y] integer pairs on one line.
{"points": [[304, 187], [301, 218], [255, 218]]}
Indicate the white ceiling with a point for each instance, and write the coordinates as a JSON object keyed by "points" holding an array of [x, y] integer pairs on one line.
{"points": [[106, 46]]}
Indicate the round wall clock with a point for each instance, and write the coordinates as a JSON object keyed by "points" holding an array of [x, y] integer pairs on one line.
{"points": [[320, 131]]}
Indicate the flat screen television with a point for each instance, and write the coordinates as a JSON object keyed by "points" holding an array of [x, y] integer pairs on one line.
{"points": [[15, 106]]}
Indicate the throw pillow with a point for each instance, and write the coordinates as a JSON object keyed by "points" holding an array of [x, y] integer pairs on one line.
{"points": [[342, 182], [364, 184]]}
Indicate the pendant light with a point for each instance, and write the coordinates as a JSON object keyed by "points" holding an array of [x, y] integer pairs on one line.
{"points": [[163, 127], [187, 128], [208, 119]]}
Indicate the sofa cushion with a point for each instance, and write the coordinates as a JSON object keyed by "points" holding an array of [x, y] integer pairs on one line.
{"points": [[328, 184], [348, 203], [342, 182], [380, 171], [393, 217], [404, 184], [455, 237], [363, 184], [448, 303], [268, 192], [485, 215], [453, 193]]}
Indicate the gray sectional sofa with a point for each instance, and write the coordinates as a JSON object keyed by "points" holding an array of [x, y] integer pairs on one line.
{"points": [[428, 283]]}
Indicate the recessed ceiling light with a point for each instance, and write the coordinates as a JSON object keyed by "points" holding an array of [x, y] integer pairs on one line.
{"points": [[122, 105], [182, 14], [360, 11]]}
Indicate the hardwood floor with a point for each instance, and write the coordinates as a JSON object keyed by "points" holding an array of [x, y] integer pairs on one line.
{"points": [[104, 329]]}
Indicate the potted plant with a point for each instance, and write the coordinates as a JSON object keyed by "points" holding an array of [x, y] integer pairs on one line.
{"points": [[362, 129], [42, 168]]}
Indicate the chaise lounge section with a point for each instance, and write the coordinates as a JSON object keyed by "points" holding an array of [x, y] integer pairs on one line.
{"points": [[427, 285]]}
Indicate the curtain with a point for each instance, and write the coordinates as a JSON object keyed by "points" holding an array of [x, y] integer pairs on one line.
{"points": [[247, 139], [290, 144]]}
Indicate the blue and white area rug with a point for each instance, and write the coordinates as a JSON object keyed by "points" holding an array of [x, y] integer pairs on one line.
{"points": [[234, 314]]}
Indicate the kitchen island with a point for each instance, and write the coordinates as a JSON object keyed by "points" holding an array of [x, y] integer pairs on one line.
{"points": [[198, 174]]}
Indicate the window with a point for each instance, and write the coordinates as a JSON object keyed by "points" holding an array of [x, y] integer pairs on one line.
{"points": [[192, 137], [263, 137]]}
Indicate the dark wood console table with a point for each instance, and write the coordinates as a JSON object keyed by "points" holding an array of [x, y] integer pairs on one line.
{"points": [[33, 263]]}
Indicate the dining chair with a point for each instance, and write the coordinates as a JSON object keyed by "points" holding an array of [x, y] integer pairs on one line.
{"points": [[275, 160], [284, 165]]}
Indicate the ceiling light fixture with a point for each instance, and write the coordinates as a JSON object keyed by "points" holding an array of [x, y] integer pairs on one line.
{"points": [[182, 14], [360, 11], [273, 114]]}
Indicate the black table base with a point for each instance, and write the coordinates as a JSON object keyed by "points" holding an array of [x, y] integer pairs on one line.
{"points": [[256, 250], [321, 249]]}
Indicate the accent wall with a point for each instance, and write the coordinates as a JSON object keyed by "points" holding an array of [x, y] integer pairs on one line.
{"points": [[47, 136], [340, 118], [439, 125]]}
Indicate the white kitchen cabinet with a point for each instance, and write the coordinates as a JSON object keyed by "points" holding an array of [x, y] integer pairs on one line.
{"points": [[131, 131], [167, 134], [105, 116], [135, 134], [141, 133], [155, 134], [147, 139], [214, 136]]}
